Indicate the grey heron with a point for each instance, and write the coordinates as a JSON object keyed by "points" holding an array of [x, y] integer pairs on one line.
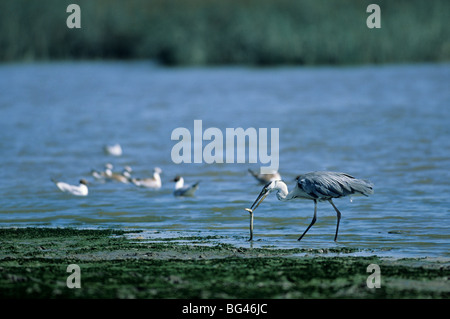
{"points": [[77, 190], [316, 186], [184, 190]]}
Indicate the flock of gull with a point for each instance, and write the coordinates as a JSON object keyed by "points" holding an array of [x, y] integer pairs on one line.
{"points": [[108, 175], [316, 186], [153, 182]]}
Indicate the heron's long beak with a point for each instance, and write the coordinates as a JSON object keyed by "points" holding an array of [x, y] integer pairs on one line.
{"points": [[260, 199]]}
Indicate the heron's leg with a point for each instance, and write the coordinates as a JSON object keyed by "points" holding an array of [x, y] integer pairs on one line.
{"points": [[313, 220], [338, 218]]}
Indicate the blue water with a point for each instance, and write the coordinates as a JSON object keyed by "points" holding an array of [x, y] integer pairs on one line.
{"points": [[389, 124]]}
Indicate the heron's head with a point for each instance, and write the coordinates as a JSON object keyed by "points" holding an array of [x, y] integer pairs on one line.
{"points": [[269, 187], [84, 182], [157, 170]]}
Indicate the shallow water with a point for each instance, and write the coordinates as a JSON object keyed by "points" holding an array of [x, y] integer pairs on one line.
{"points": [[388, 124]]}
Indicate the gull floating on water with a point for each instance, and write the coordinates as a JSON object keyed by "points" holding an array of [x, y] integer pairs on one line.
{"points": [[77, 190], [151, 182], [123, 177], [181, 189], [102, 175], [265, 178], [115, 150], [108, 174]]}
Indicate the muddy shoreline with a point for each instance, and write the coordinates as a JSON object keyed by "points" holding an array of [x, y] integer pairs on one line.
{"points": [[34, 261]]}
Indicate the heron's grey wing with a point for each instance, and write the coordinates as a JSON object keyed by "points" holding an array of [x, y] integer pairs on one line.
{"points": [[307, 185], [318, 187], [326, 185], [354, 185]]}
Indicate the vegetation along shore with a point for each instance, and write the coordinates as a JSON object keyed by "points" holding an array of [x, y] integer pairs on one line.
{"points": [[203, 32]]}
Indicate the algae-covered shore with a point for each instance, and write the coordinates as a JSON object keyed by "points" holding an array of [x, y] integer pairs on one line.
{"points": [[34, 261]]}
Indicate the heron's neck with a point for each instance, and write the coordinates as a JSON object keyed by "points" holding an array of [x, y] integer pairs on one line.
{"points": [[283, 193]]}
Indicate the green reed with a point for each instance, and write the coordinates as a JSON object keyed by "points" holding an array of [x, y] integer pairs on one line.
{"points": [[208, 32]]}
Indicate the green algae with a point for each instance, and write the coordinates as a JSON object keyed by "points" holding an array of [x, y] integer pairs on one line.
{"points": [[33, 264]]}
